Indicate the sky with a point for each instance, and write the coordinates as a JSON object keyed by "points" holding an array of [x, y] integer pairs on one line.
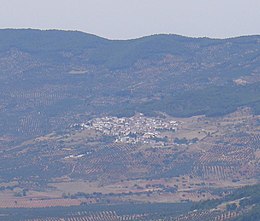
{"points": [[126, 19]]}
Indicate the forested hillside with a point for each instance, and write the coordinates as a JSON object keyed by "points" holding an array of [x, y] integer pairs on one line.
{"points": [[177, 75]]}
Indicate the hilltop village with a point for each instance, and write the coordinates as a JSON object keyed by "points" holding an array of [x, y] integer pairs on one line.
{"points": [[136, 129]]}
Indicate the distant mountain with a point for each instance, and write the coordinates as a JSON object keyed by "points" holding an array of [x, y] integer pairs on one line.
{"points": [[48, 75], [116, 54]]}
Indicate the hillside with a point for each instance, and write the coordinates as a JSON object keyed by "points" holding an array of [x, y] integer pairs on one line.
{"points": [[177, 75]]}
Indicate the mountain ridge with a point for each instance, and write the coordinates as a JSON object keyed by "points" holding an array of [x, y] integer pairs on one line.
{"points": [[113, 54], [128, 39]]}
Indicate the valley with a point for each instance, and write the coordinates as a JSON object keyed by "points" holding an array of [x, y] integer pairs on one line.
{"points": [[183, 159]]}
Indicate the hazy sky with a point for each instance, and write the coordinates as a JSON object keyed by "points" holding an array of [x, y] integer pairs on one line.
{"points": [[122, 19]]}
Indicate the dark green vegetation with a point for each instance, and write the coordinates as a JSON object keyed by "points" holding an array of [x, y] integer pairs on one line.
{"points": [[211, 101], [151, 211], [247, 202]]}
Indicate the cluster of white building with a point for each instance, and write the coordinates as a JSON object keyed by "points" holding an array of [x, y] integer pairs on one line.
{"points": [[134, 129]]}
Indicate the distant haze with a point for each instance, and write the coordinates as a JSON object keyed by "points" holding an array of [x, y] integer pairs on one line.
{"points": [[124, 19]]}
